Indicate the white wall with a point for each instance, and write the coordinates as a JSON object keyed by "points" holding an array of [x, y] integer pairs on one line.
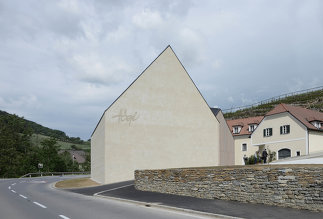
{"points": [[169, 124]]}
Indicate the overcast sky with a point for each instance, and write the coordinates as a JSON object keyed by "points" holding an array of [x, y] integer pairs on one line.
{"points": [[62, 63]]}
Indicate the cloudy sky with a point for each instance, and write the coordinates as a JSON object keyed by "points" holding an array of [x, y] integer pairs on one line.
{"points": [[62, 63]]}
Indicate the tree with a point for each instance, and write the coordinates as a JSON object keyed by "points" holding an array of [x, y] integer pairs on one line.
{"points": [[14, 146], [50, 157]]}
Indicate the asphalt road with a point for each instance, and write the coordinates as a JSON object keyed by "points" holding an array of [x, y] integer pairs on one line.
{"points": [[35, 198], [126, 190]]}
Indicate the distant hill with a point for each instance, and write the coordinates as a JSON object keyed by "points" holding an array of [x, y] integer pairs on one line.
{"points": [[41, 132], [310, 100]]}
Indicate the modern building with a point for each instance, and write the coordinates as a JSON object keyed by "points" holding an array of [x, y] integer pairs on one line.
{"points": [[160, 121], [241, 130], [290, 131]]}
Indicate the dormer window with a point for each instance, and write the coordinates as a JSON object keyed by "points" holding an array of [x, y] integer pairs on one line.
{"points": [[317, 124], [252, 127], [236, 129]]}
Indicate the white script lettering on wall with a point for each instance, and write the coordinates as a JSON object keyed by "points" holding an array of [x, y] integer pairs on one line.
{"points": [[123, 117]]}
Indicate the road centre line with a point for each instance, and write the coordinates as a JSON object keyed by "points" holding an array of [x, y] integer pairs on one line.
{"points": [[62, 216], [13, 184], [40, 205], [9, 187], [113, 189], [13, 191], [23, 196]]}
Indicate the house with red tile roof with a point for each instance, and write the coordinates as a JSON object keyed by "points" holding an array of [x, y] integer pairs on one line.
{"points": [[241, 130], [290, 131]]}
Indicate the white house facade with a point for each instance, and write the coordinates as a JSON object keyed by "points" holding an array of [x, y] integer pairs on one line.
{"points": [[289, 131]]}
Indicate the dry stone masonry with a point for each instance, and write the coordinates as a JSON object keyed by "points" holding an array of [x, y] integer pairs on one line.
{"points": [[296, 186]]}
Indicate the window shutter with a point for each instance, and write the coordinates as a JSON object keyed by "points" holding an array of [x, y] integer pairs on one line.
{"points": [[270, 132], [288, 129], [281, 129], [264, 132]]}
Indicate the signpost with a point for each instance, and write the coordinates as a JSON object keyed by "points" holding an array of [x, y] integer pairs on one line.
{"points": [[40, 166]]}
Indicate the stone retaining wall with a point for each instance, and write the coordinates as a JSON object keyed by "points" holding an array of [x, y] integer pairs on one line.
{"points": [[296, 186]]}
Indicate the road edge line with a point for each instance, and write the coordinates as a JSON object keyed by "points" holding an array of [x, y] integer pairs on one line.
{"points": [[108, 190], [201, 213]]}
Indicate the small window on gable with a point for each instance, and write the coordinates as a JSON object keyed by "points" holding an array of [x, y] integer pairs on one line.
{"points": [[236, 129], [244, 147], [268, 132], [285, 129], [298, 153]]}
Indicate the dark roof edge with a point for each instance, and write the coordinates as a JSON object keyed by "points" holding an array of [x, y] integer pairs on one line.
{"points": [[130, 86], [215, 111], [308, 128]]}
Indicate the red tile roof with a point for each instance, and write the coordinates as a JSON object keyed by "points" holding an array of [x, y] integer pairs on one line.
{"points": [[244, 123], [304, 115]]}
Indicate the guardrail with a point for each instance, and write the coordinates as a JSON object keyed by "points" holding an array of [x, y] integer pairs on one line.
{"points": [[53, 174], [233, 109]]}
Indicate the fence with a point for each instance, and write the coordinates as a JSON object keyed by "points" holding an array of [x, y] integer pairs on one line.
{"points": [[53, 173], [273, 99]]}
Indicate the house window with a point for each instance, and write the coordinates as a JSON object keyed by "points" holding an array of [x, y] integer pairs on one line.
{"points": [[252, 128], [244, 147], [236, 129], [285, 129], [298, 153], [268, 132]]}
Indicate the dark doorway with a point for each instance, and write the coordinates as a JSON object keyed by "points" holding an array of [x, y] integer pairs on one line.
{"points": [[283, 153]]}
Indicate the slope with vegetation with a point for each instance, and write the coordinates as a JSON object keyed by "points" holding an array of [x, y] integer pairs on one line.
{"points": [[23, 146], [310, 100], [44, 131]]}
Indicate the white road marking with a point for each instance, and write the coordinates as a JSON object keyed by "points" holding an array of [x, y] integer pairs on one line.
{"points": [[40, 205], [37, 181], [23, 196], [9, 187], [13, 191], [13, 184], [113, 189], [62, 216]]}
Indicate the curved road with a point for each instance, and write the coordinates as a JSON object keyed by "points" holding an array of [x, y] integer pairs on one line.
{"points": [[35, 198]]}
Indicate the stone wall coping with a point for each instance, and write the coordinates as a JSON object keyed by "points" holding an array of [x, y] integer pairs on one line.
{"points": [[256, 167]]}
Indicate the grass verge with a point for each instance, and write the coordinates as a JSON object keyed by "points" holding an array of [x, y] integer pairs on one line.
{"points": [[76, 183]]}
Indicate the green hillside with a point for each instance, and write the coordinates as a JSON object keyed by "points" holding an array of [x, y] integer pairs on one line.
{"points": [[310, 100], [36, 139], [43, 131]]}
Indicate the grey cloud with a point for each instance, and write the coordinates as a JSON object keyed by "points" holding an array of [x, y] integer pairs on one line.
{"points": [[71, 59]]}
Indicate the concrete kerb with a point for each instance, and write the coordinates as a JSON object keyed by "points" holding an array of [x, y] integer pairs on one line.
{"points": [[156, 205]]}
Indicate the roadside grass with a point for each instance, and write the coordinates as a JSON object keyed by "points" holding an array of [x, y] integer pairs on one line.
{"points": [[76, 183]]}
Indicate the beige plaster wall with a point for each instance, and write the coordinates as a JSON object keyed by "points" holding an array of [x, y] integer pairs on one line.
{"points": [[98, 153], [315, 139], [227, 150], [160, 121], [294, 146], [238, 141]]}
